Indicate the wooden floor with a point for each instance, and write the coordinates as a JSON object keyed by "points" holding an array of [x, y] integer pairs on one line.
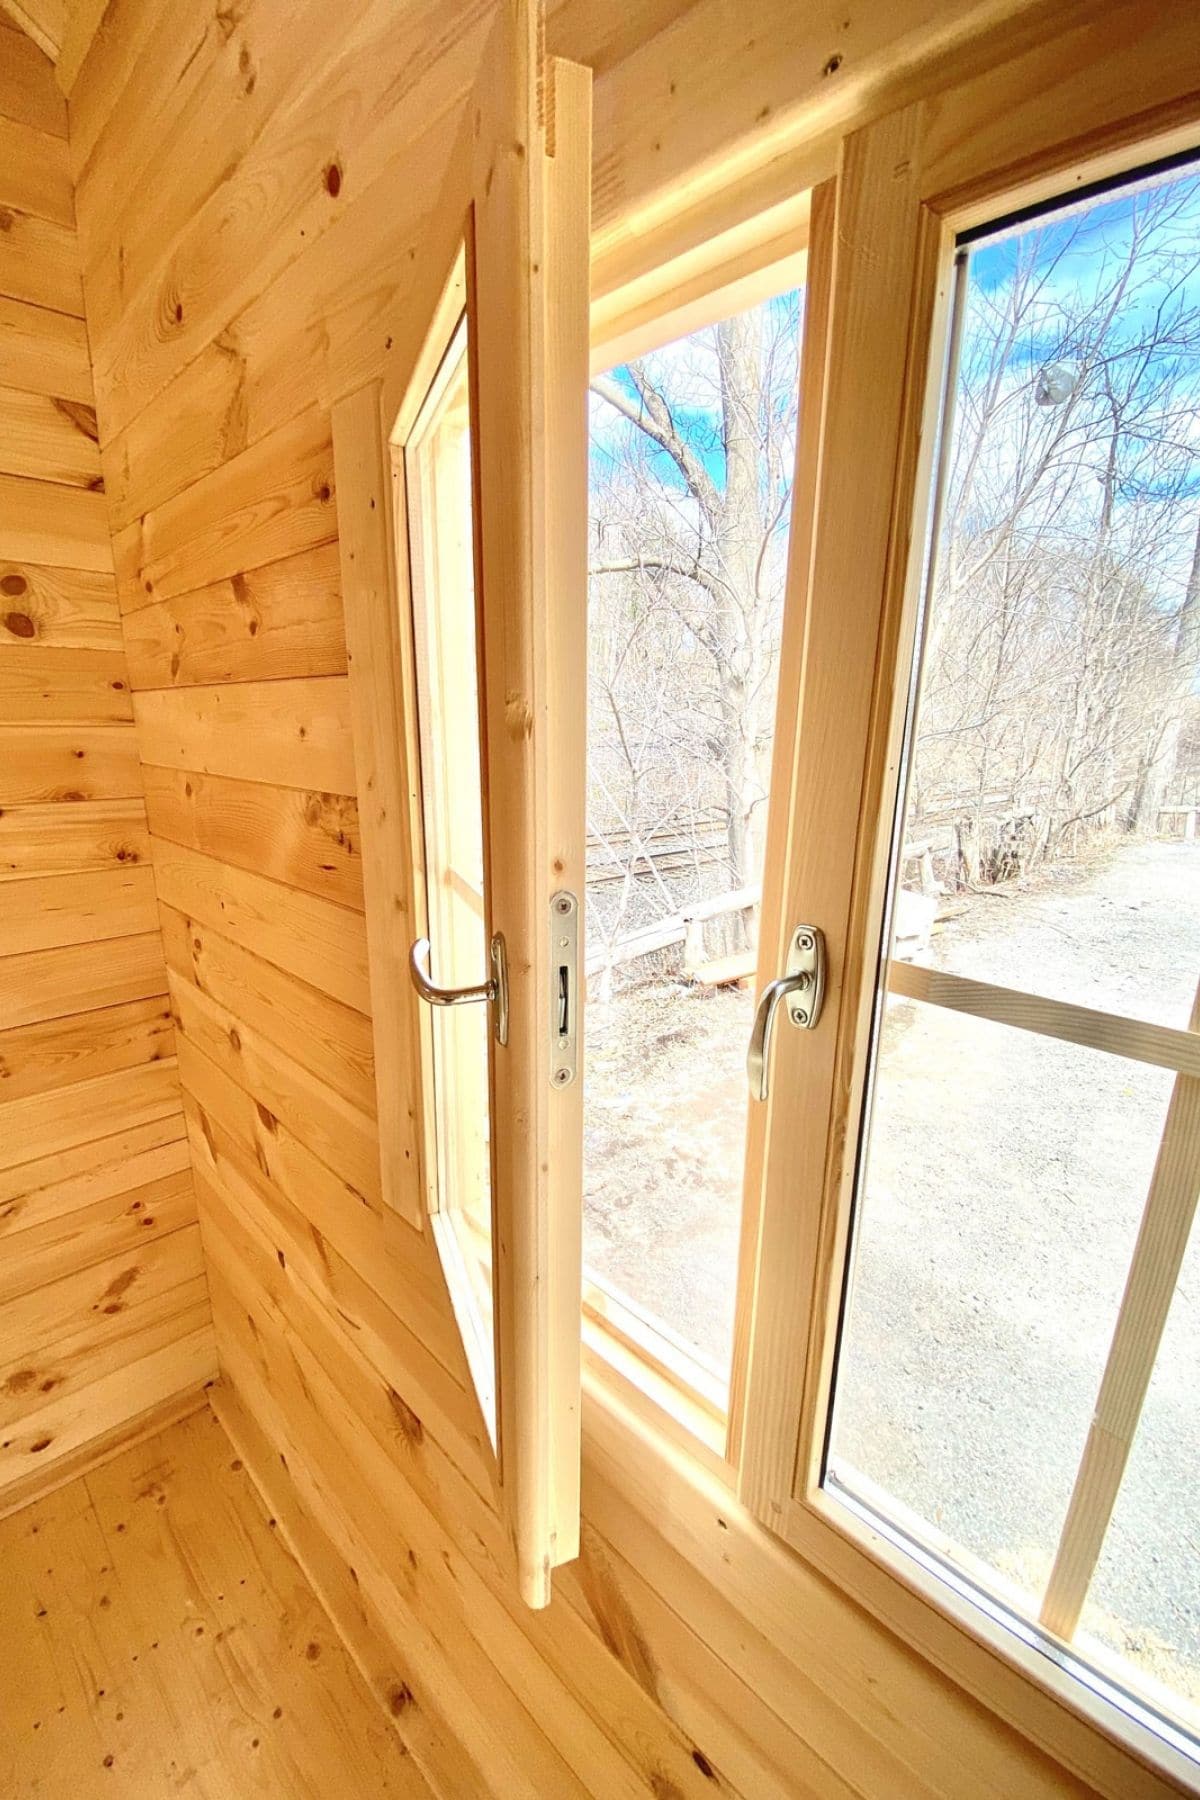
{"points": [[156, 1638]]}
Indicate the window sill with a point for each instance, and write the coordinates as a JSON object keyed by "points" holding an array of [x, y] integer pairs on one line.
{"points": [[654, 1378]]}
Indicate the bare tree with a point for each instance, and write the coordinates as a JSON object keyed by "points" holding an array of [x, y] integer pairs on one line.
{"points": [[687, 582], [1062, 654]]}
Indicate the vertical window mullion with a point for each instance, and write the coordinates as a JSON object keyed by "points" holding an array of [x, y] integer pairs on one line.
{"points": [[1149, 1289]]}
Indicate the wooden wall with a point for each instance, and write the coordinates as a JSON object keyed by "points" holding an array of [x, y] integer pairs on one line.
{"points": [[104, 1314], [251, 183]]}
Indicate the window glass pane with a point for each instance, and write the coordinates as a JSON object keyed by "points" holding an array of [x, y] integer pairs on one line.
{"points": [[1056, 766], [1004, 1182], [691, 467], [438, 480]]}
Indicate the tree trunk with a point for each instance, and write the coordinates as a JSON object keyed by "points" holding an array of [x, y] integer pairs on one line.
{"points": [[1157, 766]]}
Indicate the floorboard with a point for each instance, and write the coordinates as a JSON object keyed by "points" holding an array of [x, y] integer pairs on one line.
{"points": [[156, 1637]]}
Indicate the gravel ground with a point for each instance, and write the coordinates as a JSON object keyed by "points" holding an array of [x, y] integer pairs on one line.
{"points": [[1001, 1210], [664, 1141]]}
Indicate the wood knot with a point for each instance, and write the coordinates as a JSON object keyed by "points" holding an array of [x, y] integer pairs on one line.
{"points": [[518, 716], [13, 585], [411, 1428], [333, 180], [20, 624]]}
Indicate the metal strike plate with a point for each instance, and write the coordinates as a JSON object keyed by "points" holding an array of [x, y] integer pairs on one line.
{"points": [[564, 988]]}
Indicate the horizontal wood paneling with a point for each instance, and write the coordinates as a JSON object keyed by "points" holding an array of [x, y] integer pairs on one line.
{"points": [[79, 28], [134, 1309], [176, 140], [48, 437], [304, 934], [267, 362], [47, 913], [332, 1127], [42, 20], [308, 840], [107, 1228], [95, 1172], [101, 1305], [262, 625], [329, 1039], [44, 352], [34, 1194], [35, 173], [60, 609], [68, 763], [136, 71], [437, 1402], [40, 263], [50, 984], [44, 1122], [273, 501], [59, 686], [277, 200], [154, 1362], [127, 1433], [43, 522], [300, 731], [56, 1052], [398, 1264], [91, 834]]}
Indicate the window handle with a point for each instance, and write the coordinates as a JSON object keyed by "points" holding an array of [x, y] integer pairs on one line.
{"points": [[801, 988], [494, 991]]}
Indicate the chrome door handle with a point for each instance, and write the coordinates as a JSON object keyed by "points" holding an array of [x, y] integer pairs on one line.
{"points": [[494, 992], [802, 988]]}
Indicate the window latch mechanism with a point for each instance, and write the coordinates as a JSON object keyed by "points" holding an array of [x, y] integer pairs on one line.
{"points": [[801, 989]]}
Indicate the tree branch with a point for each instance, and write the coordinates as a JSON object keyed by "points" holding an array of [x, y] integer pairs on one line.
{"points": [[653, 417], [629, 565]]}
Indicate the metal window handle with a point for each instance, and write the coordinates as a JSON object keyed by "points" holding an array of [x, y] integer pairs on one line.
{"points": [[494, 991], [801, 988]]}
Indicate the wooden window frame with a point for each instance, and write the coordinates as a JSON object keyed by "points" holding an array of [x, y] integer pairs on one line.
{"points": [[1088, 106]]}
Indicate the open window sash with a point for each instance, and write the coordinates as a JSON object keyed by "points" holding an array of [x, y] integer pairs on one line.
{"points": [[483, 382]]}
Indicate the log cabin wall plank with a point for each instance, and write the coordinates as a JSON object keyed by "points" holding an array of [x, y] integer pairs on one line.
{"points": [[104, 1309], [252, 188]]}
